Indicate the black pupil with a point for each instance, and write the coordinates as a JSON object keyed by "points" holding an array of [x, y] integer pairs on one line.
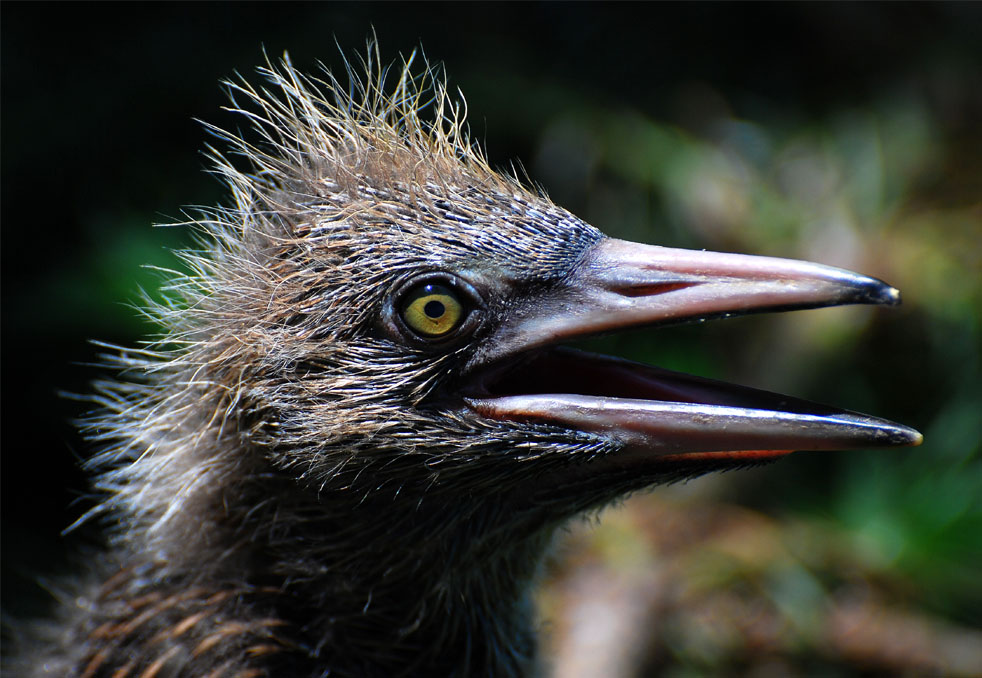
{"points": [[434, 309]]}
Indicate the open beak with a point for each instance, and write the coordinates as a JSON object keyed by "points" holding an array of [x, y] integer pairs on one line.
{"points": [[650, 411]]}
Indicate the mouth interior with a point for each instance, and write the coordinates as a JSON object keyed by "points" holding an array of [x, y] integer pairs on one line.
{"points": [[562, 370]]}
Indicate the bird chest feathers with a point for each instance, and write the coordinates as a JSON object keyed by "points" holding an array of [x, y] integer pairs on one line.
{"points": [[349, 453]]}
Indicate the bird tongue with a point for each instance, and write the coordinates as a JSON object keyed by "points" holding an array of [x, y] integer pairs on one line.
{"points": [[622, 284]]}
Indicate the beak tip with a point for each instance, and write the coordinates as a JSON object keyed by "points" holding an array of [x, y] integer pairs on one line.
{"points": [[890, 296], [903, 436], [880, 293]]}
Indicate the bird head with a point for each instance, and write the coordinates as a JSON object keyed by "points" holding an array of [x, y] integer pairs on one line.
{"points": [[377, 320]]}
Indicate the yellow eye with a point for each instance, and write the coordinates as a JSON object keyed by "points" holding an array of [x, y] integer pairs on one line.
{"points": [[432, 310]]}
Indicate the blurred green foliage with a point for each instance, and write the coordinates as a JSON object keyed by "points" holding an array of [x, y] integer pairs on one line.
{"points": [[854, 189], [864, 189]]}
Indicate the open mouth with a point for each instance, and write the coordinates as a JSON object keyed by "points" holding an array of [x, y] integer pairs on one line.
{"points": [[656, 412]]}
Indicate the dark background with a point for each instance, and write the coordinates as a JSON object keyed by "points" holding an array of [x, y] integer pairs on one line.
{"points": [[99, 141]]}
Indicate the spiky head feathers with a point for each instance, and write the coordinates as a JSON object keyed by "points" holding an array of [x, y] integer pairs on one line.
{"points": [[281, 354]]}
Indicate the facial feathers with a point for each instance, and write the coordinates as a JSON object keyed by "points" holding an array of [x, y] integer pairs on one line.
{"points": [[274, 358]]}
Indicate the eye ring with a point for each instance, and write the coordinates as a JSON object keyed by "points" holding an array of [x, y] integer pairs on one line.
{"points": [[434, 309]]}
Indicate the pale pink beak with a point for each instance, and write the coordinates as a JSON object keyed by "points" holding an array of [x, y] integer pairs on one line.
{"points": [[521, 374]]}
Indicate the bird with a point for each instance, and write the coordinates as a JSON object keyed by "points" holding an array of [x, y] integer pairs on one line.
{"points": [[359, 430]]}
